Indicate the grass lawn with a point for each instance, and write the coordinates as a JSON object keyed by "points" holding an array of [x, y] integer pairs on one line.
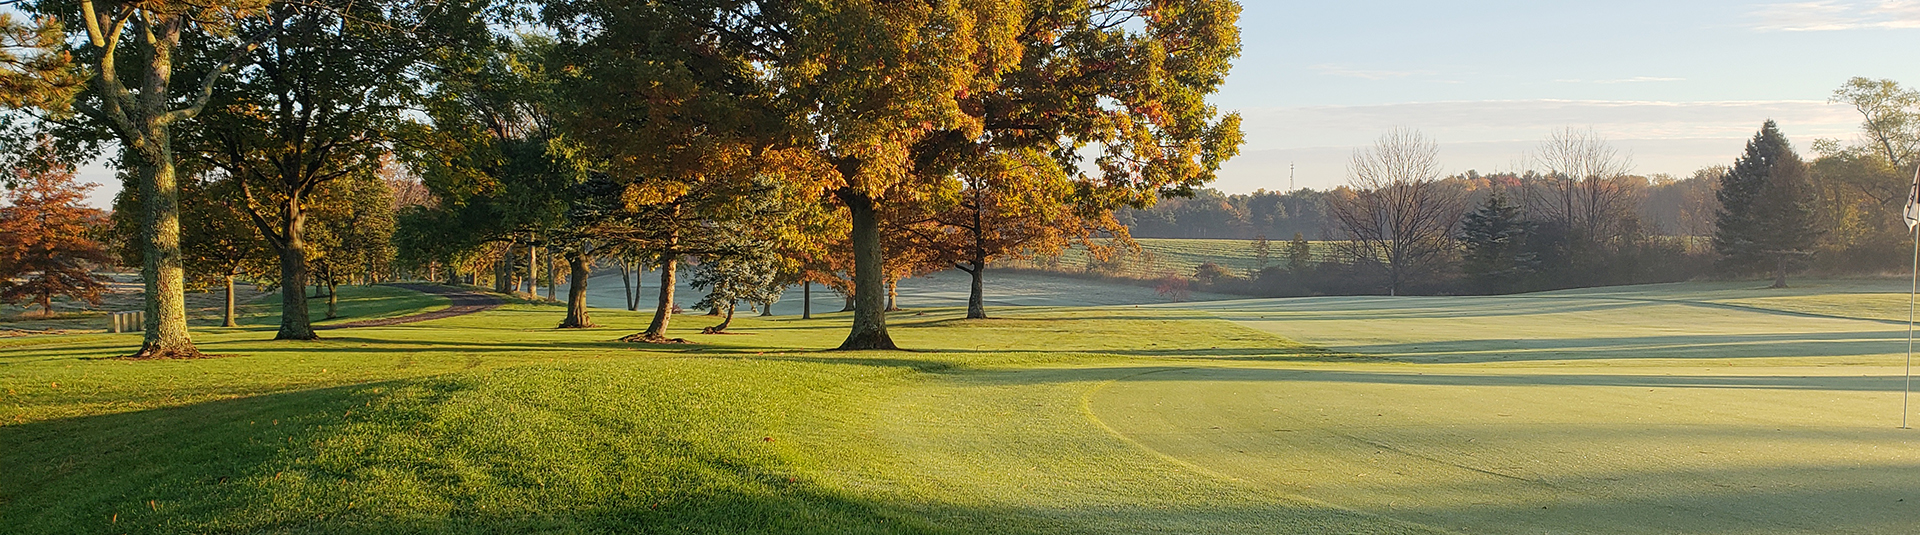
{"points": [[1684, 408]]}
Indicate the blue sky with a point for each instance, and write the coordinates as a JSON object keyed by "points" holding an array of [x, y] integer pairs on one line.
{"points": [[1678, 84]]}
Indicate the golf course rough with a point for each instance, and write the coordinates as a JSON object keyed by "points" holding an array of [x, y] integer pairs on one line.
{"points": [[1697, 408]]}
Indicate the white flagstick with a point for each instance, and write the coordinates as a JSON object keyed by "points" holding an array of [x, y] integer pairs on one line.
{"points": [[1912, 215]]}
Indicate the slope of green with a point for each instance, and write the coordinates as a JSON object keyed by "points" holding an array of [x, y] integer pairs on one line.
{"points": [[1694, 408]]}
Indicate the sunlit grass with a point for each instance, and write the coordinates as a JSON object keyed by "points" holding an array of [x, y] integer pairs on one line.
{"points": [[1683, 408]]}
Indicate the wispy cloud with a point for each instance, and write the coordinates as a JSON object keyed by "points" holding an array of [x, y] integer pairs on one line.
{"points": [[1365, 74], [1835, 15], [1633, 80]]}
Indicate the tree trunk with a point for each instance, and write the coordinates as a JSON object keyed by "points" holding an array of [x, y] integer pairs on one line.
{"points": [[766, 309], [806, 300], [577, 271], [850, 305], [893, 295], [503, 272], [662, 314], [976, 294], [626, 284], [227, 313], [333, 299], [295, 324], [869, 277], [550, 280], [724, 323], [1780, 271], [163, 270], [533, 268]]}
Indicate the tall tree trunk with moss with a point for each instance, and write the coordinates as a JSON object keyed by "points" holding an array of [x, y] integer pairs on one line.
{"points": [[577, 272], [869, 277]]}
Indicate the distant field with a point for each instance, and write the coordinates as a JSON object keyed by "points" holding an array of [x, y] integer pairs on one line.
{"points": [[1159, 257]]}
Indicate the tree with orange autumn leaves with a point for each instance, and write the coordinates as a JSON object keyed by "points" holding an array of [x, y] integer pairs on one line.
{"points": [[45, 249], [893, 98]]}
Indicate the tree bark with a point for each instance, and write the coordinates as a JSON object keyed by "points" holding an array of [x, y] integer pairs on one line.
{"points": [[503, 272], [766, 309], [663, 313], [163, 270], [533, 268], [1780, 271], [724, 323], [333, 299], [550, 280], [626, 284], [869, 277], [806, 300], [577, 271], [227, 315], [893, 295], [976, 293], [295, 324]]}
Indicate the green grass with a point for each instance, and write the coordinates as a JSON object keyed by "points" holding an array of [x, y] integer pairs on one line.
{"points": [[1714, 408], [1159, 257]]}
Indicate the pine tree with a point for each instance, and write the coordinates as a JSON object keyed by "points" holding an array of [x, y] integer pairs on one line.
{"points": [[1766, 217], [1494, 237], [45, 251], [1299, 253]]}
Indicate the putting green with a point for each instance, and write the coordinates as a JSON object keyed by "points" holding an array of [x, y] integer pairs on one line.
{"points": [[1685, 408]]}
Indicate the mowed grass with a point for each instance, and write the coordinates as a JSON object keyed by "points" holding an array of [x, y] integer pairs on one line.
{"points": [[1703, 408], [496, 423], [1688, 408]]}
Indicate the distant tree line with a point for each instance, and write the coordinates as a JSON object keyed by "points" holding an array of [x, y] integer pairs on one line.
{"points": [[1579, 217]]}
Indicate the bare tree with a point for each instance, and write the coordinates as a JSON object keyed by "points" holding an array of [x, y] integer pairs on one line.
{"points": [[1395, 214], [1586, 190]]}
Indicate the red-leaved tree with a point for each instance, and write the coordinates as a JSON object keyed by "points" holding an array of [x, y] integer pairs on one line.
{"points": [[44, 248]]}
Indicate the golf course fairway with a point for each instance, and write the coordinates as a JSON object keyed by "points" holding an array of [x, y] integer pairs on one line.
{"points": [[1688, 408]]}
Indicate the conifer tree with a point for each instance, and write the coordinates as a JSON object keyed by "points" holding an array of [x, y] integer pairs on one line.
{"points": [[1766, 208], [1494, 236]]}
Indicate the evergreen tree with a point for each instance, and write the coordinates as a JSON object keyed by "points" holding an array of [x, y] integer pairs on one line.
{"points": [[1495, 239], [1299, 253], [730, 279], [1766, 209]]}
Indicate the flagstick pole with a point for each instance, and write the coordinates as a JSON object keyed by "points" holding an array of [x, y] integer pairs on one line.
{"points": [[1906, 389]]}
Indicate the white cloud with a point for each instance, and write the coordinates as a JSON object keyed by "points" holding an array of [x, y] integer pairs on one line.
{"points": [[1834, 15]]}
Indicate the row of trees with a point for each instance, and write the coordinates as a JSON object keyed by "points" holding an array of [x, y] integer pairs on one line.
{"points": [[1583, 220], [844, 143]]}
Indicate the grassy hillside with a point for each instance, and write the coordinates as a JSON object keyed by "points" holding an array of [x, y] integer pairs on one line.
{"points": [[1717, 408]]}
